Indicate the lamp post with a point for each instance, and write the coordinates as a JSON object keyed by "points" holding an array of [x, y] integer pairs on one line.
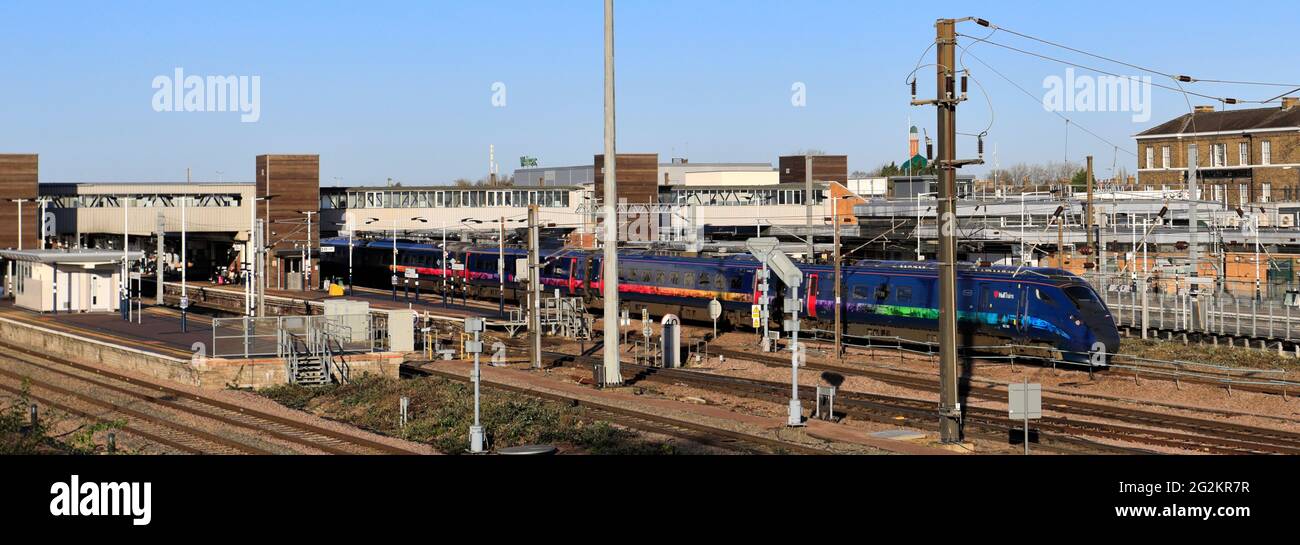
{"points": [[126, 267], [307, 251], [394, 275], [10, 274], [40, 235], [185, 301], [919, 255], [351, 237], [256, 246]]}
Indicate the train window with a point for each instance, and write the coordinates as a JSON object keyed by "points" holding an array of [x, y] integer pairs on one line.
{"points": [[675, 279], [861, 292], [659, 278], [645, 276], [734, 285], [689, 280], [704, 280], [904, 295], [1083, 298], [1044, 297], [561, 270], [882, 292]]}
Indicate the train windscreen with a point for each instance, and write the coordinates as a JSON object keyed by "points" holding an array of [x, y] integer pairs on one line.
{"points": [[1085, 299]]}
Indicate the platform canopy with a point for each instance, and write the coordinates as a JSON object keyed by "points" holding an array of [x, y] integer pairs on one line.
{"points": [[78, 257]]}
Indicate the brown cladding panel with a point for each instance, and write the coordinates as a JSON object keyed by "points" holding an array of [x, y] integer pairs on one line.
{"points": [[826, 168], [18, 178], [638, 177], [294, 184]]}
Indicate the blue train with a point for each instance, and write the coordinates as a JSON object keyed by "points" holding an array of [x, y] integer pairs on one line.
{"points": [[1051, 310]]}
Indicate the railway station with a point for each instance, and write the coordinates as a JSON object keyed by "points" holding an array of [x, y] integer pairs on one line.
{"points": [[939, 274]]}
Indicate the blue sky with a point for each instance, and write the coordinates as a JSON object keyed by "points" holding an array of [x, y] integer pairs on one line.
{"points": [[404, 89]]}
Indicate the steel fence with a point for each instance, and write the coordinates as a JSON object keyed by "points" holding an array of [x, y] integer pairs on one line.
{"points": [[1213, 310], [249, 337]]}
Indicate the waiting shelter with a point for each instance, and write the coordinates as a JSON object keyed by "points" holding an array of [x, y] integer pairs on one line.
{"points": [[68, 280]]}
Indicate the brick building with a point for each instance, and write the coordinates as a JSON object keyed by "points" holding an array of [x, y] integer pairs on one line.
{"points": [[1242, 156]]}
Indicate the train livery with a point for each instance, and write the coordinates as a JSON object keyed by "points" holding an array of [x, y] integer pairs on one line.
{"points": [[1051, 310]]}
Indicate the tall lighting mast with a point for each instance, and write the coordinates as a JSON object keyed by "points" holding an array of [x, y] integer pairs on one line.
{"points": [[613, 376]]}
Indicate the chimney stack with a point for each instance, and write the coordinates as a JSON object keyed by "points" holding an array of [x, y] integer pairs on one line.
{"points": [[1204, 109], [1290, 102]]}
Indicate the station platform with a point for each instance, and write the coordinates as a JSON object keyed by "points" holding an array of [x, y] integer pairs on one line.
{"points": [[378, 299], [158, 332]]}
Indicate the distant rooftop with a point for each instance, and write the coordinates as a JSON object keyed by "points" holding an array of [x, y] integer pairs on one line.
{"points": [[1252, 119], [68, 256]]}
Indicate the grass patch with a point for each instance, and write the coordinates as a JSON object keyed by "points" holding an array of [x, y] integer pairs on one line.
{"points": [[18, 435], [442, 410], [1243, 358]]}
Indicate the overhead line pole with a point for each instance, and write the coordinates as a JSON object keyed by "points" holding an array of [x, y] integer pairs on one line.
{"points": [[945, 103], [946, 122], [839, 282], [807, 205], [535, 289], [609, 263]]}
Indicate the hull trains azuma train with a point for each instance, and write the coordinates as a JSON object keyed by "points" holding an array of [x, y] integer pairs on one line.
{"points": [[1051, 311]]}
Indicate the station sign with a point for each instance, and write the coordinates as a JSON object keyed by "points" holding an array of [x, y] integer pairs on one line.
{"points": [[185, 302], [326, 249], [412, 274], [756, 313]]}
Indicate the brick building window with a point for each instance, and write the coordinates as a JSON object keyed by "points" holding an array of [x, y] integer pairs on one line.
{"points": [[1151, 157], [1164, 157], [1218, 194], [1243, 192], [1219, 155], [1192, 159], [1265, 191], [1243, 154], [1266, 152]]}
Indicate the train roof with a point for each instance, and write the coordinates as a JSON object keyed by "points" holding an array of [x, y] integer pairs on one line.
{"points": [[1052, 273]]}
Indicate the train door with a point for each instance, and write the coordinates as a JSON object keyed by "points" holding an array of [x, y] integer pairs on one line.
{"points": [[1022, 312], [586, 278], [811, 296], [573, 273]]}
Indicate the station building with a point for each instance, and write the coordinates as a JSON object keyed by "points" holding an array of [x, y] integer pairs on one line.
{"points": [[286, 208], [1242, 157], [68, 280]]}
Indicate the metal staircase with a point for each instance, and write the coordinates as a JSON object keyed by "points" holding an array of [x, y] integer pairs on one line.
{"points": [[315, 357]]}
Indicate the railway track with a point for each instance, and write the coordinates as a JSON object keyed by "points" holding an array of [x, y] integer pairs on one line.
{"points": [[1141, 426], [650, 422], [876, 408], [184, 421]]}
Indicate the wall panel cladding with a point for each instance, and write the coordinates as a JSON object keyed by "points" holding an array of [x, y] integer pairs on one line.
{"points": [[637, 176], [826, 168], [18, 178], [294, 184]]}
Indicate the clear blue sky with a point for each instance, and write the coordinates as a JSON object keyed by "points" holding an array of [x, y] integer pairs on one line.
{"points": [[403, 89]]}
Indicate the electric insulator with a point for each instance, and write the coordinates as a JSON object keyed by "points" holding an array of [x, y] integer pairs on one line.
{"points": [[913, 88], [963, 84]]}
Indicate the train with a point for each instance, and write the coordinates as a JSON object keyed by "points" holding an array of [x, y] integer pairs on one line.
{"points": [[1045, 312]]}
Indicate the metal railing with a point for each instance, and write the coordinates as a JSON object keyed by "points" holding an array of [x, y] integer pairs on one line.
{"points": [[1221, 312], [251, 337]]}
